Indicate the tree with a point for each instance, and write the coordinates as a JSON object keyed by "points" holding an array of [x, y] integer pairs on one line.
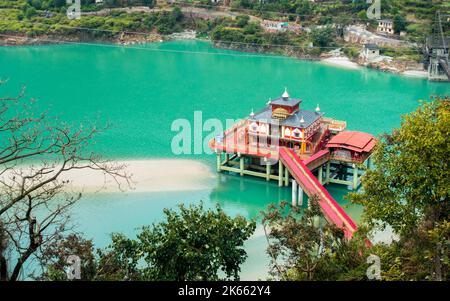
{"points": [[399, 23], [242, 20], [149, 3], [191, 244], [55, 254], [36, 152], [409, 190], [322, 37], [303, 8], [37, 4], [301, 248], [30, 12], [177, 13], [194, 245]]}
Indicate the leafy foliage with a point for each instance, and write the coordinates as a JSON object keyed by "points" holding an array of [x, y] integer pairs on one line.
{"points": [[192, 244], [409, 190], [303, 248]]}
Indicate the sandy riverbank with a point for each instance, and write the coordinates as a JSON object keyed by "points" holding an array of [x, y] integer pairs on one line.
{"points": [[155, 175], [147, 176], [341, 61], [415, 73]]}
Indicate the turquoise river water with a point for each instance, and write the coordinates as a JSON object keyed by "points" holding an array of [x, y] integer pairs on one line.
{"points": [[142, 90]]}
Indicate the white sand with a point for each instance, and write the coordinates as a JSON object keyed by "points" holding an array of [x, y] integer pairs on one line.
{"points": [[416, 73], [147, 176], [341, 61]]}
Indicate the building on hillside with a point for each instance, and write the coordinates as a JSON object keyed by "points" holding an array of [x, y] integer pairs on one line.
{"points": [[360, 35], [370, 52], [276, 26], [385, 27]]}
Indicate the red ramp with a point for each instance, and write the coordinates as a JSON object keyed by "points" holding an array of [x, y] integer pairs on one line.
{"points": [[311, 186]]}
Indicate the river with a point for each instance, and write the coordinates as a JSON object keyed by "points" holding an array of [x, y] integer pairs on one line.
{"points": [[142, 89]]}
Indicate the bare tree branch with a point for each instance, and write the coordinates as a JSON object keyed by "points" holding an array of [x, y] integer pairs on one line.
{"points": [[35, 152]]}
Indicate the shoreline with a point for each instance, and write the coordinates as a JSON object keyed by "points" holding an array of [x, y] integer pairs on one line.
{"points": [[147, 175], [341, 61]]}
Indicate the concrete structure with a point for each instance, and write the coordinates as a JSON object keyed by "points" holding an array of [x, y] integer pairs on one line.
{"points": [[358, 34], [275, 26], [370, 52], [385, 27], [436, 53], [286, 143]]}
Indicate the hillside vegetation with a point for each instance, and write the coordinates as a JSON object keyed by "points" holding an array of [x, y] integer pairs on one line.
{"points": [[325, 20]]}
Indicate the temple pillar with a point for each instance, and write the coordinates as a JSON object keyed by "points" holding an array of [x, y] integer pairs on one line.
{"points": [[268, 170], [241, 165], [280, 174], [294, 193], [327, 180], [320, 175], [219, 161], [355, 176], [286, 177], [300, 195]]}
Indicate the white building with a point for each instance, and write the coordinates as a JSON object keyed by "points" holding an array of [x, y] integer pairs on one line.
{"points": [[370, 52], [385, 27]]}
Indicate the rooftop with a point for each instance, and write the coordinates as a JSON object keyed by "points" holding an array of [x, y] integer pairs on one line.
{"points": [[293, 120], [286, 100], [371, 46], [290, 102], [355, 141]]}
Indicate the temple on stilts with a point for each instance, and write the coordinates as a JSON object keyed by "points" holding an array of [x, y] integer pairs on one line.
{"points": [[297, 147]]}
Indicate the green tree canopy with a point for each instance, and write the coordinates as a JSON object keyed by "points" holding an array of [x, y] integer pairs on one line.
{"points": [[409, 190], [303, 246], [191, 244], [322, 37]]}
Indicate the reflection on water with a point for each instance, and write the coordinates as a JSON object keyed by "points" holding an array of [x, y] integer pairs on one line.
{"points": [[248, 195]]}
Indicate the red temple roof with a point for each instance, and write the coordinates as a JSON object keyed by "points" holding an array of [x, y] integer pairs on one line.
{"points": [[355, 141]]}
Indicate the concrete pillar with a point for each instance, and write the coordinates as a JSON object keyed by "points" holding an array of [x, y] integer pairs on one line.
{"points": [[286, 177], [294, 193], [241, 165], [219, 161], [280, 174], [227, 157], [355, 176], [268, 170], [320, 175], [300, 195], [327, 180]]}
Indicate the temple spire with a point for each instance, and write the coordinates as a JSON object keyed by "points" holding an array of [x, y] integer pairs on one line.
{"points": [[285, 94]]}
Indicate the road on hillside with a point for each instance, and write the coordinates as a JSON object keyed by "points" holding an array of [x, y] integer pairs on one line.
{"points": [[198, 11]]}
